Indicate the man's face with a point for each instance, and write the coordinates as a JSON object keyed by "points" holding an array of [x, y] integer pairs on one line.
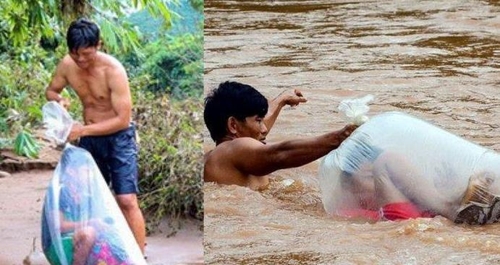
{"points": [[84, 57], [253, 127]]}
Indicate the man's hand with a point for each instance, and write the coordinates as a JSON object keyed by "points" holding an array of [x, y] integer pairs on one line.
{"points": [[347, 131], [64, 102], [76, 132], [285, 98], [293, 98]]}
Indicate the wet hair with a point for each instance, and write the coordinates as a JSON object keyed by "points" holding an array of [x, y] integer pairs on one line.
{"points": [[231, 99], [82, 33]]}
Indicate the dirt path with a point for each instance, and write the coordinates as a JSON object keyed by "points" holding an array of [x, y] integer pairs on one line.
{"points": [[21, 199]]}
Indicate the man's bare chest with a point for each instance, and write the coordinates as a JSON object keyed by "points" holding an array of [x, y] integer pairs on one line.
{"points": [[93, 86]]}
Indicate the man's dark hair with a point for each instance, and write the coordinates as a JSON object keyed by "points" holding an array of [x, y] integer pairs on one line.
{"points": [[231, 99], [82, 33]]}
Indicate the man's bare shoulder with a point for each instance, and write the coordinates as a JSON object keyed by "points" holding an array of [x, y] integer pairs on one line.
{"points": [[110, 62], [218, 151], [228, 151], [223, 164], [66, 62], [235, 145]]}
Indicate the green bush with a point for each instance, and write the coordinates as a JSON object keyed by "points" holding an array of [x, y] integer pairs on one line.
{"points": [[24, 74], [175, 65], [170, 158]]}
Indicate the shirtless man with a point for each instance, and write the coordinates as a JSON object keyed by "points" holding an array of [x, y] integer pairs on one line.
{"points": [[101, 83], [238, 118]]}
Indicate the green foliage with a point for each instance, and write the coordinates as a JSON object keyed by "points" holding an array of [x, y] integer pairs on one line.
{"points": [[25, 145], [24, 74], [24, 21], [23, 78], [4, 143], [176, 66], [170, 157], [185, 18], [171, 60], [198, 5], [147, 25]]}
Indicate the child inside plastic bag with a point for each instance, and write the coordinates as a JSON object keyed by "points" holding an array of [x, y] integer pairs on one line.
{"points": [[398, 167], [395, 166], [376, 187], [79, 223]]}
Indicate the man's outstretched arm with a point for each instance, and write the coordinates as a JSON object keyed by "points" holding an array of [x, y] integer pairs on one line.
{"points": [[285, 98], [260, 159]]}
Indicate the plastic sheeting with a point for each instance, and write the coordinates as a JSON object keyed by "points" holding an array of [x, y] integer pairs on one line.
{"points": [[394, 155], [57, 121], [81, 221]]}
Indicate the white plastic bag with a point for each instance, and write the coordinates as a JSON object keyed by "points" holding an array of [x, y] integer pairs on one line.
{"points": [[57, 121], [354, 110]]}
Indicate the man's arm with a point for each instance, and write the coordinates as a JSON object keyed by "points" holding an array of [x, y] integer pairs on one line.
{"points": [[57, 84], [261, 159], [121, 102], [275, 105]]}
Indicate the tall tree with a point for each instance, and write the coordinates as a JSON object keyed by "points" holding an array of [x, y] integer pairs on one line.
{"points": [[22, 21]]}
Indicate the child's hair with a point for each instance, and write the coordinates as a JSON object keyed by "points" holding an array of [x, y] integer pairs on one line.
{"points": [[72, 159], [82, 33]]}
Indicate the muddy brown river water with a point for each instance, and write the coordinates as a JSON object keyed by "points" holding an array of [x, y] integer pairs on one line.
{"points": [[436, 60]]}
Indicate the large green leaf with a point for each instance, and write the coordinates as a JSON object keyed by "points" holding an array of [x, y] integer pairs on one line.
{"points": [[25, 145]]}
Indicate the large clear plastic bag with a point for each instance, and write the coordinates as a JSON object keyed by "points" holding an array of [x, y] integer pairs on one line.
{"points": [[81, 220], [437, 171]]}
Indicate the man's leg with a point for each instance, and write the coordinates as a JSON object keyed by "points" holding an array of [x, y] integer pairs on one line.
{"points": [[124, 175], [130, 208]]}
